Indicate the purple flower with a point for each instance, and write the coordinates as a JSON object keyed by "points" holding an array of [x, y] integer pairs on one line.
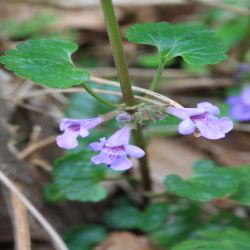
{"points": [[73, 128], [116, 149], [202, 121], [240, 105]]}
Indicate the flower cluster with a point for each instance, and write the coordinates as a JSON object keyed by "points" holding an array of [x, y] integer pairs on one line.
{"points": [[115, 150], [240, 105]]}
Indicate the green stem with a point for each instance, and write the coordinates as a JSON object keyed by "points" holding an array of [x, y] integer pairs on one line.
{"points": [[158, 74], [122, 70], [97, 97], [118, 52]]}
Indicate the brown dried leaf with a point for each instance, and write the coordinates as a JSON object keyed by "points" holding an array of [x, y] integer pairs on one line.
{"points": [[126, 241], [171, 156]]}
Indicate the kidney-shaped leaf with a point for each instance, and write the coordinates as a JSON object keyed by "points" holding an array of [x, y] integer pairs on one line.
{"points": [[228, 239], [209, 182], [79, 179], [243, 193], [45, 61], [194, 43], [85, 237]]}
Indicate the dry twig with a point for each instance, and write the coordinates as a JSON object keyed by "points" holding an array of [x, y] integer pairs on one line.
{"points": [[36, 146], [138, 89], [20, 223], [56, 239]]}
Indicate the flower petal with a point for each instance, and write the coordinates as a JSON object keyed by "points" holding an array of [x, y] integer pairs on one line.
{"points": [[92, 122], [83, 132], [245, 95], [65, 123], [186, 127], [120, 137], [210, 128], [233, 100], [67, 140], [209, 108], [96, 146], [184, 113], [226, 124], [122, 163], [240, 112], [210, 133], [134, 151], [101, 158]]}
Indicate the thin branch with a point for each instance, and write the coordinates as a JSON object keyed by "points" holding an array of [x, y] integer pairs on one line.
{"points": [[36, 146], [56, 239], [20, 223], [28, 107], [35, 93], [138, 89], [109, 72]]}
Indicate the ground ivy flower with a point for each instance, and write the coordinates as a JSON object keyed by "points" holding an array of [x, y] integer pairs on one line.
{"points": [[202, 121], [115, 150], [73, 128], [240, 105]]}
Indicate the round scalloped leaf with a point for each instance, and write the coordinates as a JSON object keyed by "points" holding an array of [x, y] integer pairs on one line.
{"points": [[194, 43], [85, 237], [209, 182], [228, 239], [243, 193], [46, 62], [78, 178]]}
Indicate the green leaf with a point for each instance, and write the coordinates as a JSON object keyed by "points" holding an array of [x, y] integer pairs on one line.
{"points": [[195, 44], [228, 239], [52, 194], [78, 178], [173, 233], [151, 60], [123, 217], [45, 61], [182, 218], [243, 193], [226, 219], [209, 182], [153, 217], [85, 237]]}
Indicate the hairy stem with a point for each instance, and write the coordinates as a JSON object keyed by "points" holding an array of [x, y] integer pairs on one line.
{"points": [[122, 70], [97, 97], [157, 76]]}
